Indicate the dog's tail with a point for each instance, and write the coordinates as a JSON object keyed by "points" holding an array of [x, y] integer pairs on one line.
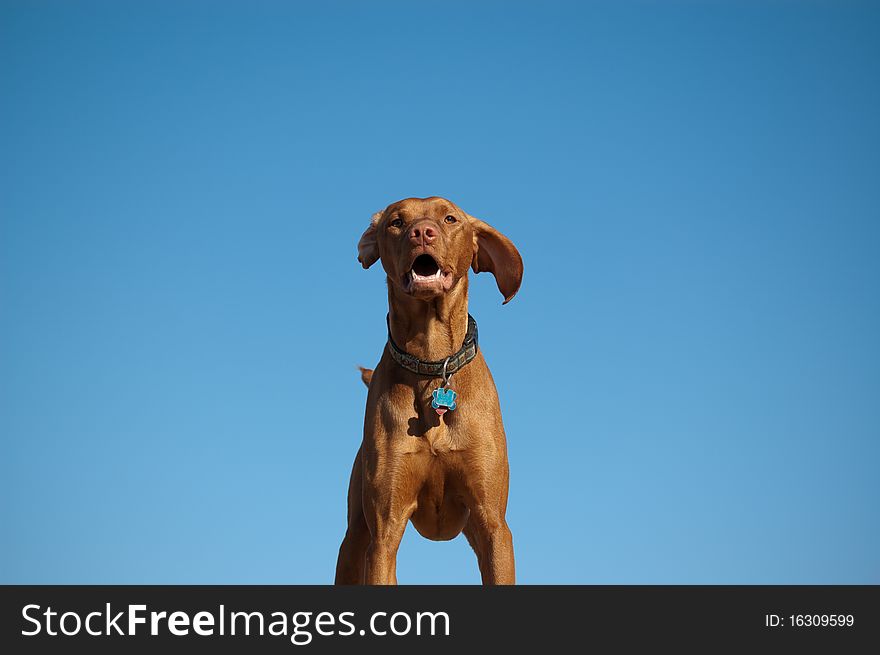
{"points": [[366, 375]]}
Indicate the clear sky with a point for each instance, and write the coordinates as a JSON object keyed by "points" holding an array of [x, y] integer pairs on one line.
{"points": [[690, 374]]}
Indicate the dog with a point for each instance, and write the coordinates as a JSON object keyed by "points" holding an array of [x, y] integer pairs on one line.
{"points": [[434, 450]]}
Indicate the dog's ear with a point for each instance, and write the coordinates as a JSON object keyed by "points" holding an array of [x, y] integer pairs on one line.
{"points": [[495, 253], [368, 247]]}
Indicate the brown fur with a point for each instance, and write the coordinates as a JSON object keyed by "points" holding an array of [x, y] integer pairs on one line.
{"points": [[366, 375], [446, 474]]}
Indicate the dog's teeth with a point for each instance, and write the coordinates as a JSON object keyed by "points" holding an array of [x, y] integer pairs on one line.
{"points": [[436, 275]]}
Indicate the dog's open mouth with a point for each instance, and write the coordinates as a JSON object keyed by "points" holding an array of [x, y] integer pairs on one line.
{"points": [[426, 275]]}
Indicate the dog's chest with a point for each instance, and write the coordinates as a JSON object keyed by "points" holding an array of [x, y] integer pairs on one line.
{"points": [[434, 433], [442, 439], [415, 427], [406, 419]]}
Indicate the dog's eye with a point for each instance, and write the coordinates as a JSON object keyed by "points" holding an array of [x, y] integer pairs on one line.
{"points": [[451, 219], [397, 222]]}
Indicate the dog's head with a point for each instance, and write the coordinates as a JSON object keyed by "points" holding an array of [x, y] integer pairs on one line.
{"points": [[427, 244]]}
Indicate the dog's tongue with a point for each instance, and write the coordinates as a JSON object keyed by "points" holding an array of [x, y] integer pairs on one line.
{"points": [[441, 410]]}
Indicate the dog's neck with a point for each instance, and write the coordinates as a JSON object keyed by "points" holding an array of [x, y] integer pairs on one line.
{"points": [[429, 329]]}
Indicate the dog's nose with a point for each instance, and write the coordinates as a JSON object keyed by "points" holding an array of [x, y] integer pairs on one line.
{"points": [[422, 233]]}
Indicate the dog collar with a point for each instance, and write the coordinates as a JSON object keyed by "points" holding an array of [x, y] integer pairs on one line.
{"points": [[443, 368]]}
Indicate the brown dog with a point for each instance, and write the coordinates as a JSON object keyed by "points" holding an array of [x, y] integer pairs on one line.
{"points": [[441, 466]]}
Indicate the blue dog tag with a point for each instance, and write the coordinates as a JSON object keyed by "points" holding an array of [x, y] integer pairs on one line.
{"points": [[444, 399]]}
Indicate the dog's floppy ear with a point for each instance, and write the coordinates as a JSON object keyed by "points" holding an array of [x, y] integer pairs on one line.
{"points": [[495, 253], [368, 247]]}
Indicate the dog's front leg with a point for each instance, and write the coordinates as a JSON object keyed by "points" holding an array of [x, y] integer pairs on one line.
{"points": [[489, 536], [387, 526], [389, 500]]}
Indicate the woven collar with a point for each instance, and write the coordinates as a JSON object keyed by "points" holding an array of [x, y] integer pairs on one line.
{"points": [[455, 362]]}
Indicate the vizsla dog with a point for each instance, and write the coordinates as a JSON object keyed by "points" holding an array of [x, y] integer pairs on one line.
{"points": [[434, 450]]}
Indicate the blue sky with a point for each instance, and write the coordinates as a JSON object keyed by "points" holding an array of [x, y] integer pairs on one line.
{"points": [[693, 188]]}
